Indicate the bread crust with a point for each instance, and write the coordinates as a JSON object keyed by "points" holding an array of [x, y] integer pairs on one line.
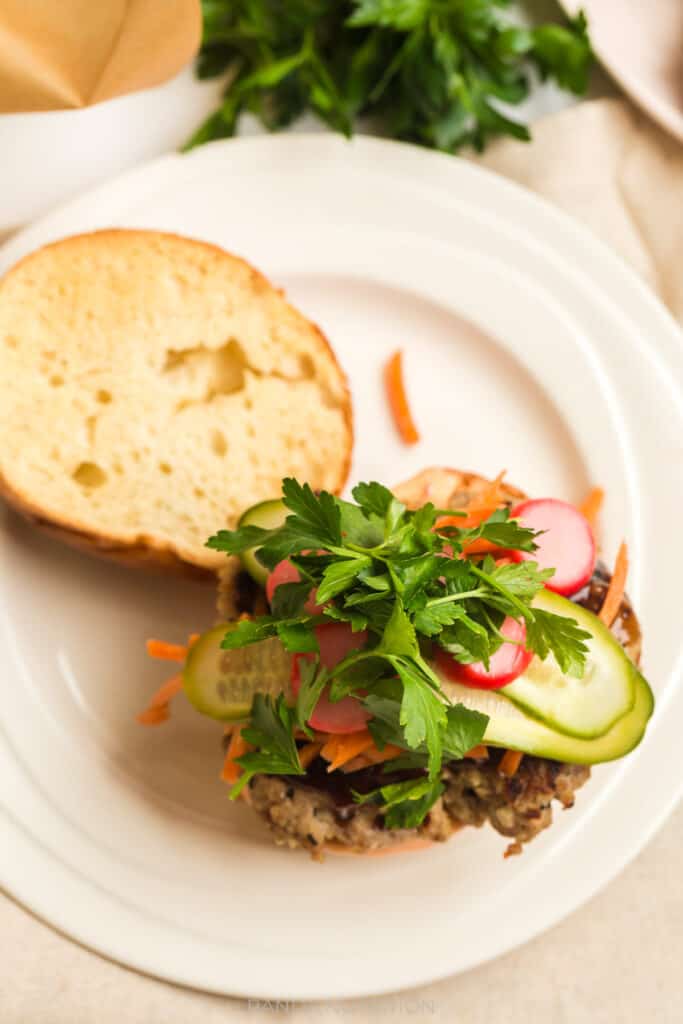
{"points": [[142, 550]]}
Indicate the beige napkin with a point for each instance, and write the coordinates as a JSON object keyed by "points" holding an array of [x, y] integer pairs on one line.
{"points": [[615, 960], [619, 175], [72, 53]]}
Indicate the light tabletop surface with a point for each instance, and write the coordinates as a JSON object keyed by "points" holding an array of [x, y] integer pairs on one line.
{"points": [[617, 959]]}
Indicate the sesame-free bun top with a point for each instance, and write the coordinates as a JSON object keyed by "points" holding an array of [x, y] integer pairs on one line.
{"points": [[153, 388]]}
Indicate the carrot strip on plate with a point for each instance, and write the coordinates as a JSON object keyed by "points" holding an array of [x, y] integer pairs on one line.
{"points": [[510, 762], [236, 747], [165, 651], [154, 716], [591, 505], [339, 749], [398, 400], [157, 711], [616, 588]]}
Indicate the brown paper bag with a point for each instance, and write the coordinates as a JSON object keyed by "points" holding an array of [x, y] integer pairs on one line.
{"points": [[57, 54]]}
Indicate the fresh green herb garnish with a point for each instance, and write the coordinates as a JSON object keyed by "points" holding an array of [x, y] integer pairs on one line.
{"points": [[390, 571], [271, 730], [407, 803], [442, 73]]}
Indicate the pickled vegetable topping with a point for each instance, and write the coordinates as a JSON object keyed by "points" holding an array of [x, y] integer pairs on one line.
{"points": [[404, 586]]}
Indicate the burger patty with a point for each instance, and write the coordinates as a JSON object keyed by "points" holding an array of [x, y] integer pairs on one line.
{"points": [[299, 813], [318, 809]]}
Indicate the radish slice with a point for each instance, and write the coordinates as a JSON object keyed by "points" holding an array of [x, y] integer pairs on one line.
{"points": [[568, 546], [335, 642], [285, 572], [506, 664]]}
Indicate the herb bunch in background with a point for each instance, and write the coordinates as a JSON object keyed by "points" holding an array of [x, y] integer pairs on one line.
{"points": [[436, 72]]}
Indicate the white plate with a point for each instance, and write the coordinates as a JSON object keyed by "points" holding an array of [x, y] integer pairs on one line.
{"points": [[568, 373], [640, 42]]}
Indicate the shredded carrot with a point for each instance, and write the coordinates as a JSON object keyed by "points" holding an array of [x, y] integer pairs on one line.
{"points": [[167, 652], [153, 716], [398, 401], [480, 547], [591, 505], [192, 639], [486, 504], [309, 752], [617, 585], [472, 517], [157, 711], [510, 762], [374, 756], [237, 746], [339, 749], [478, 753]]}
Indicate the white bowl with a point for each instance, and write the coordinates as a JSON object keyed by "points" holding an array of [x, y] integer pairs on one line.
{"points": [[50, 157]]}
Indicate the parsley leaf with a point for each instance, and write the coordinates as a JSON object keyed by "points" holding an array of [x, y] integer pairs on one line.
{"points": [[248, 631], [441, 73], [399, 635], [502, 531], [271, 731], [563, 637], [233, 542], [524, 579], [339, 576], [407, 803], [423, 714], [373, 498], [430, 620], [289, 599], [297, 636], [317, 517], [356, 619], [464, 730], [313, 681]]}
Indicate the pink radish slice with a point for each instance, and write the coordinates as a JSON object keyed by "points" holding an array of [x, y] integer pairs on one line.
{"points": [[285, 572], [335, 642], [568, 546], [506, 664]]}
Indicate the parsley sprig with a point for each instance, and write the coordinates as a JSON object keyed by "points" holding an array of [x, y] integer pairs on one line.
{"points": [[396, 574], [442, 73]]}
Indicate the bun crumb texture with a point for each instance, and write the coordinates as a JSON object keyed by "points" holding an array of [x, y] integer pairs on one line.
{"points": [[153, 388]]}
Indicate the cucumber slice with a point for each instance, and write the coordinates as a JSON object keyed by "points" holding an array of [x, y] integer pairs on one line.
{"points": [[222, 684], [509, 727], [586, 707], [268, 515]]}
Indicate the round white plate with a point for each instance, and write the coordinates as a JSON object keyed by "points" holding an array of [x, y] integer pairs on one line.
{"points": [[528, 346]]}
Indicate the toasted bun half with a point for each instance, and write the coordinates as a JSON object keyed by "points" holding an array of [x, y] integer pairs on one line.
{"points": [[154, 387]]}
